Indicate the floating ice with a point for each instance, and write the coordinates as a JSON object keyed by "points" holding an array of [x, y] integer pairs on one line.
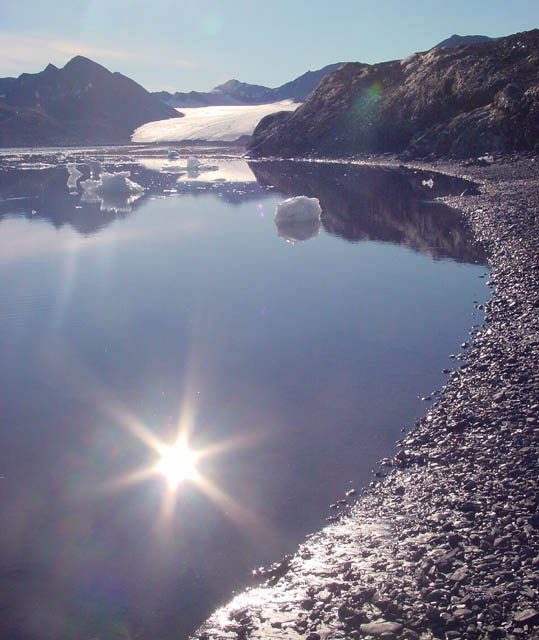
{"points": [[298, 219], [112, 184], [114, 191], [114, 203], [74, 175], [298, 209], [428, 183]]}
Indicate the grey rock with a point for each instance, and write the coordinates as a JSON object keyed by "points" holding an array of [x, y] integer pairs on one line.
{"points": [[379, 628]]}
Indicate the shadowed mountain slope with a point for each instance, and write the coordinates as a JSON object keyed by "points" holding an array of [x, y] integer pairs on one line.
{"points": [[82, 103]]}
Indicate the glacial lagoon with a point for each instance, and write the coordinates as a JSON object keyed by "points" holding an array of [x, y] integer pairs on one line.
{"points": [[292, 358]]}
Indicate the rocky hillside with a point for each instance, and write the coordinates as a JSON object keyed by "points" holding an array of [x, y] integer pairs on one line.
{"points": [[82, 103], [236, 92], [462, 101]]}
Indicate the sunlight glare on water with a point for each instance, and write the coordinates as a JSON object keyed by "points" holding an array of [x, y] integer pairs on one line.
{"points": [[177, 463]]}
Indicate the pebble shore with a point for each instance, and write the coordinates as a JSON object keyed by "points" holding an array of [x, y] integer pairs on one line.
{"points": [[445, 542]]}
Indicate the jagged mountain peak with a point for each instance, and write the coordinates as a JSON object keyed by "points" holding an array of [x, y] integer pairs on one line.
{"points": [[229, 85], [50, 68], [81, 64]]}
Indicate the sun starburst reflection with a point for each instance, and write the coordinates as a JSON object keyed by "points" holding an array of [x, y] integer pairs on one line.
{"points": [[177, 463]]}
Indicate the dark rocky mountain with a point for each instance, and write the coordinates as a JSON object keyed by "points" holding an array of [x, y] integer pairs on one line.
{"points": [[459, 41], [82, 103], [235, 92], [464, 101]]}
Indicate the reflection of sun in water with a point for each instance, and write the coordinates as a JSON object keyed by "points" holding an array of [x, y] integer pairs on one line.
{"points": [[177, 463]]}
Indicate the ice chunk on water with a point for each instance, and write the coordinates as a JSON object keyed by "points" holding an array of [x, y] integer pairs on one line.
{"points": [[74, 175], [298, 219], [114, 191], [298, 209], [428, 183], [112, 184]]}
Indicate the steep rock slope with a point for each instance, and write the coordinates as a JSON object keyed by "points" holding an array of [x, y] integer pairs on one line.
{"points": [[81, 103], [458, 101]]}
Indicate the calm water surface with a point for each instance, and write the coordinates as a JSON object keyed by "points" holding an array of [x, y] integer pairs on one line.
{"points": [[295, 365]]}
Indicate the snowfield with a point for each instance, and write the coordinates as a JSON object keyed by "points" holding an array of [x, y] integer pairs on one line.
{"points": [[213, 124]]}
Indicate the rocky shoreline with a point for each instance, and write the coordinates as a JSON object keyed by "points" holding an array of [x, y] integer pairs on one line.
{"points": [[445, 542]]}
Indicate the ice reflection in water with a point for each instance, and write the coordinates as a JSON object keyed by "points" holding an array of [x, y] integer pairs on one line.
{"points": [[299, 366]]}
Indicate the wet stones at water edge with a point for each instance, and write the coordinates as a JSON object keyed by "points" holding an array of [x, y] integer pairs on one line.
{"points": [[447, 545]]}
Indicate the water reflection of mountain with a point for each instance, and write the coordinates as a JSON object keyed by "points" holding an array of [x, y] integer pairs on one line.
{"points": [[374, 203], [43, 193]]}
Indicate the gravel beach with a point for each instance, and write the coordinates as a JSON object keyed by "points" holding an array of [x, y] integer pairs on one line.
{"points": [[445, 542]]}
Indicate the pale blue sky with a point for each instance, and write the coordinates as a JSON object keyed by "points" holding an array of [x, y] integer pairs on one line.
{"points": [[197, 44]]}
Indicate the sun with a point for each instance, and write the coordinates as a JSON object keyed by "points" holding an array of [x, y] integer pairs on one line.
{"points": [[177, 463]]}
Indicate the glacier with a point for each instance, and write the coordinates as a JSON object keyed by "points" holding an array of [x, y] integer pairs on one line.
{"points": [[212, 124]]}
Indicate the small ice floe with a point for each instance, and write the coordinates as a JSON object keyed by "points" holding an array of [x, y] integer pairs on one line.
{"points": [[74, 175], [428, 183], [114, 191], [298, 219], [112, 183]]}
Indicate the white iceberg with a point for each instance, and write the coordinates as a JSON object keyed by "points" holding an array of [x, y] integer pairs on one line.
{"points": [[298, 219], [112, 184], [114, 191], [74, 175]]}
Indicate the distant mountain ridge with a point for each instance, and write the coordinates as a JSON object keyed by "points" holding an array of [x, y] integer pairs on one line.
{"points": [[82, 103], [234, 92], [459, 41]]}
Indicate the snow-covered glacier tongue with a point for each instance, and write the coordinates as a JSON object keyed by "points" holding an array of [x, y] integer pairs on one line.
{"points": [[211, 124]]}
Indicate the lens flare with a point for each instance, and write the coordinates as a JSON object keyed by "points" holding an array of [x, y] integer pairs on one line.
{"points": [[177, 463]]}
